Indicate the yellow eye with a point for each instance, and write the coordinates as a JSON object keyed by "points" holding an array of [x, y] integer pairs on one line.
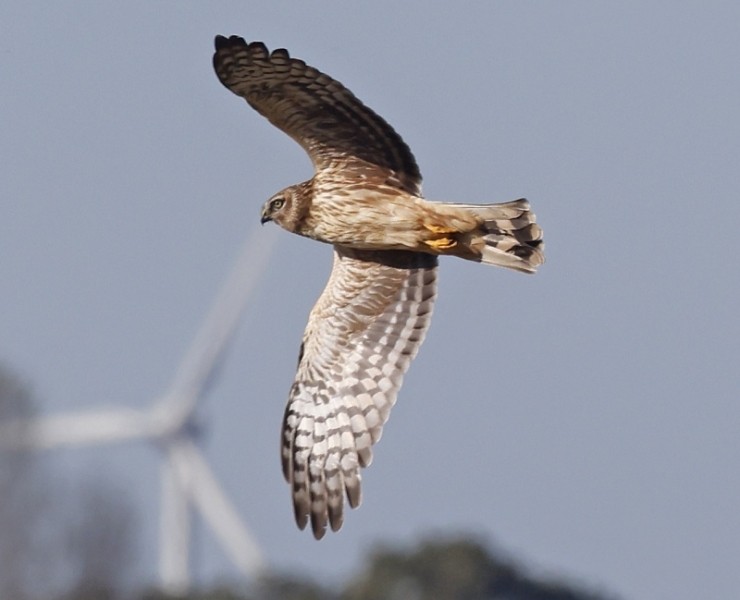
{"points": [[277, 204]]}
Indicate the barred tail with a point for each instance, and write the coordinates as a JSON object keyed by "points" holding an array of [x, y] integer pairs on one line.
{"points": [[508, 236]]}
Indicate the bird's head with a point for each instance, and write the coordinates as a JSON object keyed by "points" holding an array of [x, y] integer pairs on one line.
{"points": [[286, 208]]}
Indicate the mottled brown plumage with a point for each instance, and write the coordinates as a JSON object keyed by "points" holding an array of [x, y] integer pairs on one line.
{"points": [[367, 326]]}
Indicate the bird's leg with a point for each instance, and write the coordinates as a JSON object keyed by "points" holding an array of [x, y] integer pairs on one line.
{"points": [[443, 242]]}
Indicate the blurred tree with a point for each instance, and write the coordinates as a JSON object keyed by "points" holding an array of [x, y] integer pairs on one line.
{"points": [[24, 497], [57, 536], [457, 569], [99, 538], [217, 593], [272, 587], [438, 569], [282, 587]]}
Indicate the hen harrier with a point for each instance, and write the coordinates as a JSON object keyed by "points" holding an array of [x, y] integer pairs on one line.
{"points": [[367, 326]]}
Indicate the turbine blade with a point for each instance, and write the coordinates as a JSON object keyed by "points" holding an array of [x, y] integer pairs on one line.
{"points": [[216, 508], [76, 429], [199, 364], [174, 531]]}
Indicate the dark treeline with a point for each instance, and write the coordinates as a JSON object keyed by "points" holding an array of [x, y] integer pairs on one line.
{"points": [[436, 569]]}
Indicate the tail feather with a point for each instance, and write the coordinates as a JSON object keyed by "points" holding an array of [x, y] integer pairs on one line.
{"points": [[508, 236]]}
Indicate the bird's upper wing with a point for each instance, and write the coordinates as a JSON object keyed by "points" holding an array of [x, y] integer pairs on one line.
{"points": [[361, 336], [324, 117]]}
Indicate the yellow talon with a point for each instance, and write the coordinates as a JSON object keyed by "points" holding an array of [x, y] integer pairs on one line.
{"points": [[441, 243]]}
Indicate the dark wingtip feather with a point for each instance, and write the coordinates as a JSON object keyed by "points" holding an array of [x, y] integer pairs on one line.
{"points": [[222, 41], [301, 515], [336, 516], [318, 525]]}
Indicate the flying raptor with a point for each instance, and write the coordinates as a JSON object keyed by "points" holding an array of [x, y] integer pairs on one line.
{"points": [[367, 325]]}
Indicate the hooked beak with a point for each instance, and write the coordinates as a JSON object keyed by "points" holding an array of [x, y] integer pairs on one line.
{"points": [[265, 217]]}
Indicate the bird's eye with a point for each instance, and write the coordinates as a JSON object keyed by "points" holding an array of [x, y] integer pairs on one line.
{"points": [[277, 204]]}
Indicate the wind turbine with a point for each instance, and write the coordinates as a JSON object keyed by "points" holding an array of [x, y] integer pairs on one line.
{"points": [[187, 481]]}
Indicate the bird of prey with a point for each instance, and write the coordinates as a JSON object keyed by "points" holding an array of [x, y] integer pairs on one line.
{"points": [[362, 334]]}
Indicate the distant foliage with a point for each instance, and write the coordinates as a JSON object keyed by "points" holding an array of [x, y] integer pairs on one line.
{"points": [[99, 541], [437, 569], [23, 502], [59, 540], [458, 569]]}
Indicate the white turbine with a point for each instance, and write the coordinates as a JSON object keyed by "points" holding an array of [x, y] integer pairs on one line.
{"points": [[187, 481]]}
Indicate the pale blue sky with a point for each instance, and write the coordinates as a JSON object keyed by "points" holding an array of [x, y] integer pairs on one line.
{"points": [[586, 418]]}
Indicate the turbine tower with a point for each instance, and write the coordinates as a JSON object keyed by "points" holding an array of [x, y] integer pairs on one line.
{"points": [[188, 483]]}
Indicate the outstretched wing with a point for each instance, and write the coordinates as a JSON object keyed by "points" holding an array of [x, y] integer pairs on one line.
{"points": [[336, 129], [361, 336]]}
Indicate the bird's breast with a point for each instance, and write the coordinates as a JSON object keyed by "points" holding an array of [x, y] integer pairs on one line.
{"points": [[365, 219]]}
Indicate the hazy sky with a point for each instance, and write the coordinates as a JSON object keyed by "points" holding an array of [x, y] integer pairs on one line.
{"points": [[586, 418]]}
